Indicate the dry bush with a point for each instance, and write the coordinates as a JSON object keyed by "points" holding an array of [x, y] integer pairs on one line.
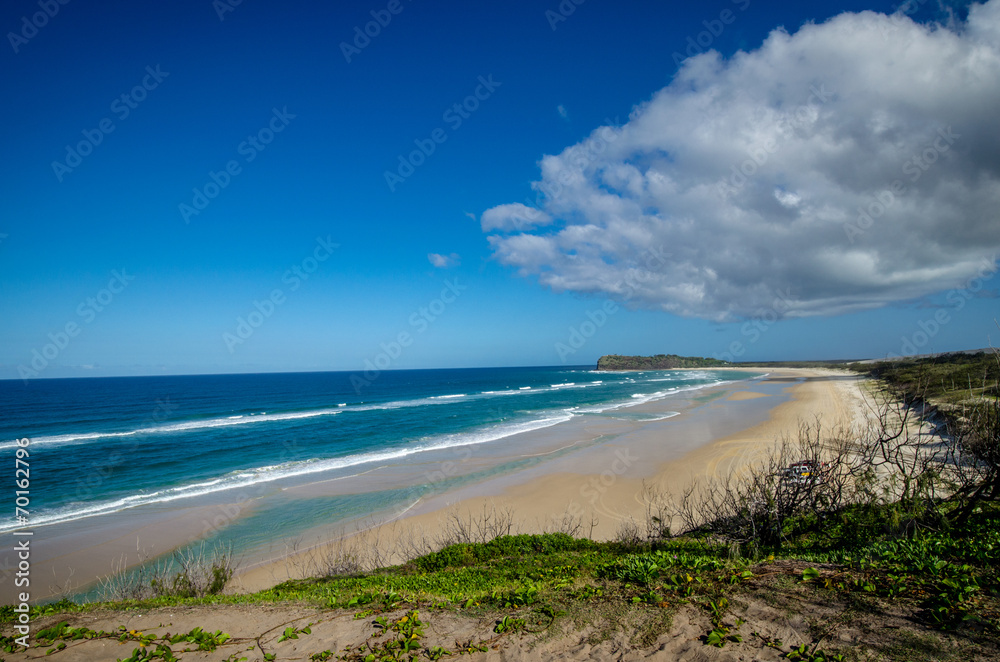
{"points": [[201, 572], [570, 524], [415, 543], [369, 546], [975, 458], [492, 523], [335, 559], [974, 451], [137, 583], [373, 544], [194, 572], [656, 524], [958, 462], [629, 533], [660, 512], [891, 461], [752, 504]]}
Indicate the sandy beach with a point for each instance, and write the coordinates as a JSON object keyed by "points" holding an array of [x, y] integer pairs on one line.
{"points": [[597, 474], [601, 486], [589, 472]]}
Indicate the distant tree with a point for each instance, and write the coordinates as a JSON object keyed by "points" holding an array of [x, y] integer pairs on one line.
{"points": [[657, 362], [975, 448]]}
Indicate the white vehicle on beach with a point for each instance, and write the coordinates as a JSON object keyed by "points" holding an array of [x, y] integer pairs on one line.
{"points": [[805, 472]]}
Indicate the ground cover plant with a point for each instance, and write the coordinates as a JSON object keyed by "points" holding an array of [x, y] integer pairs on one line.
{"points": [[891, 551]]}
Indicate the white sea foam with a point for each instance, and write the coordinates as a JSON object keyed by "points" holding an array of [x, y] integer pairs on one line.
{"points": [[252, 476], [208, 423], [637, 399], [659, 417], [243, 478], [262, 417]]}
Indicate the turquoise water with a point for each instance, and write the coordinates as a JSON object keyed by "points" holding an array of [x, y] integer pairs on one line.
{"points": [[101, 446]]}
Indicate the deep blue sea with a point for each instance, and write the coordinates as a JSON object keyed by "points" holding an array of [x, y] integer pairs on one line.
{"points": [[100, 446]]}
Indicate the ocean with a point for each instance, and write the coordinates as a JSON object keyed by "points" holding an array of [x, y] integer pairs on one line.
{"points": [[112, 446]]}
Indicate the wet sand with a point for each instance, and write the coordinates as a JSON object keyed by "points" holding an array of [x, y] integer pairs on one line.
{"points": [[601, 483], [589, 469]]}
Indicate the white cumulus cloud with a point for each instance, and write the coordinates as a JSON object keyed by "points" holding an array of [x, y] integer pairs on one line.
{"points": [[513, 216], [444, 261], [843, 167]]}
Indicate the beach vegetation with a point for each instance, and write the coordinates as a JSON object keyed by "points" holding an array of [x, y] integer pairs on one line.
{"points": [[947, 580], [884, 535], [959, 395], [189, 573]]}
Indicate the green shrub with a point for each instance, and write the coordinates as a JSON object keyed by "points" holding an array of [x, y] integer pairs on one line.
{"points": [[464, 554]]}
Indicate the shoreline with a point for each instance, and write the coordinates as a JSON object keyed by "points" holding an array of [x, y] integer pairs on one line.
{"points": [[603, 487], [590, 470]]}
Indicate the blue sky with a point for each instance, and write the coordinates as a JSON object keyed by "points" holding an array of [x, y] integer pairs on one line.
{"points": [[112, 262]]}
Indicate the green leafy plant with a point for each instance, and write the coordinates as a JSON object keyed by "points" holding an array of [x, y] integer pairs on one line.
{"points": [[437, 652], [737, 577], [684, 584], [718, 609], [804, 654], [203, 641], [509, 624], [161, 652], [719, 635], [519, 597], [810, 575], [293, 633]]}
